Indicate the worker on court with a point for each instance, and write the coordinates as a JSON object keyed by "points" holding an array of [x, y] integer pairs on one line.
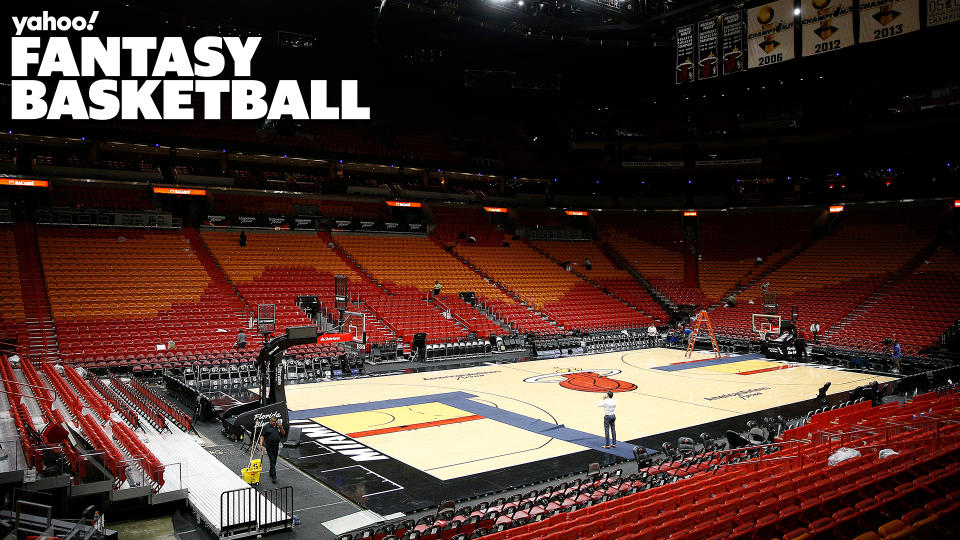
{"points": [[270, 444], [609, 420]]}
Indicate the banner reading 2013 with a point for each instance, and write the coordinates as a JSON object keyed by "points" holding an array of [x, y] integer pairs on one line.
{"points": [[882, 19], [826, 25], [770, 34]]}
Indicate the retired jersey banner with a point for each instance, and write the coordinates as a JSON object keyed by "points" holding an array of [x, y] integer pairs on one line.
{"points": [[882, 19], [942, 12], [733, 60], [708, 48], [770, 34], [685, 53], [825, 25]]}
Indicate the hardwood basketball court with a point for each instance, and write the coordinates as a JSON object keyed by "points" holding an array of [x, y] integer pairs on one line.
{"points": [[388, 440]]}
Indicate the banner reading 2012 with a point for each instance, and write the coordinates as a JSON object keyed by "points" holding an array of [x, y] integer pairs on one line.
{"points": [[826, 25], [882, 19], [770, 34]]}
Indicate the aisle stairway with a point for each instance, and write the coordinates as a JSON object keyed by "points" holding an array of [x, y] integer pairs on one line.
{"points": [[218, 277], [39, 339]]}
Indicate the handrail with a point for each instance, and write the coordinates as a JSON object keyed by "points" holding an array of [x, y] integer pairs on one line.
{"points": [[889, 430], [47, 388], [439, 301], [758, 462]]}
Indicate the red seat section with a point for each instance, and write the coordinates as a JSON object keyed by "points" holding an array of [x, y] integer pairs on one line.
{"points": [[276, 267], [546, 287], [467, 315], [461, 223], [729, 243], [916, 309], [407, 267], [602, 272], [786, 493], [12, 318], [652, 245], [835, 274], [118, 293]]}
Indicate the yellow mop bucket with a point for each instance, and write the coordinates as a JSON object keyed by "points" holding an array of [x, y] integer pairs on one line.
{"points": [[251, 474]]}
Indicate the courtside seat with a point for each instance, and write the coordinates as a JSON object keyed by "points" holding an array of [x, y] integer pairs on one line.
{"points": [[701, 506]]}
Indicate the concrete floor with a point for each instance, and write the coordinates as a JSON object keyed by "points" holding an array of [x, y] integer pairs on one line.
{"points": [[160, 528], [314, 502]]}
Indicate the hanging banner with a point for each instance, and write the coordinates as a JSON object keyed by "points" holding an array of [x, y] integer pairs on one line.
{"points": [[733, 42], [685, 54], [942, 12], [770, 34], [708, 49], [825, 25], [882, 19]]}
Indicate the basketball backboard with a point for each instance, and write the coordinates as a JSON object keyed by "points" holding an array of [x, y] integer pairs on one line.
{"points": [[765, 324]]}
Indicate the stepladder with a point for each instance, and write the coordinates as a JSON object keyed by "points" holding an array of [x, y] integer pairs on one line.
{"points": [[702, 322]]}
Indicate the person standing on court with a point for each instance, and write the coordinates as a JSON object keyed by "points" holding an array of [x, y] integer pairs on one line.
{"points": [[815, 330], [897, 355], [609, 420], [270, 444]]}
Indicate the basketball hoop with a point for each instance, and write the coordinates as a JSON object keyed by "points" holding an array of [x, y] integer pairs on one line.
{"points": [[764, 324]]}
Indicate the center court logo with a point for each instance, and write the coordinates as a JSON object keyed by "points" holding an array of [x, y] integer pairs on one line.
{"points": [[585, 380]]}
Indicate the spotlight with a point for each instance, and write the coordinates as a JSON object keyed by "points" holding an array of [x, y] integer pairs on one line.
{"points": [[796, 11]]}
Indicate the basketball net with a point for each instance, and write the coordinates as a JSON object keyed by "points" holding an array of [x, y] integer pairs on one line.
{"points": [[702, 319]]}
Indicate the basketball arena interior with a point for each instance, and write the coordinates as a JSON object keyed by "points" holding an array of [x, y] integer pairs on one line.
{"points": [[560, 269]]}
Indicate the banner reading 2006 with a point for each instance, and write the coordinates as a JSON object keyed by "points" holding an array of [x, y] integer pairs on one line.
{"points": [[882, 19], [827, 25], [770, 34]]}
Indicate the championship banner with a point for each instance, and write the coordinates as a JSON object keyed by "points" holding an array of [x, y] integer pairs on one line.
{"points": [[825, 25], [942, 12], [685, 54], [708, 49], [882, 19], [770, 34], [733, 42]]}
